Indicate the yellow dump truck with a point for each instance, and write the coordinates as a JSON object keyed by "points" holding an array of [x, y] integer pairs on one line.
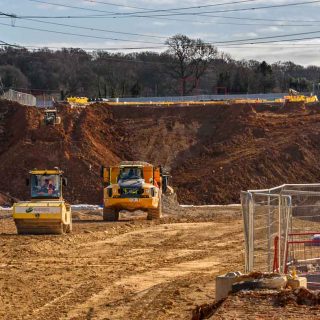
{"points": [[46, 212], [133, 185]]}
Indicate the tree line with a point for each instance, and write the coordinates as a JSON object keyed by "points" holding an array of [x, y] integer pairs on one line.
{"points": [[187, 67]]}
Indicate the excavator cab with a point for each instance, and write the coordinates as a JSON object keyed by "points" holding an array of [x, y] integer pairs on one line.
{"points": [[51, 117]]}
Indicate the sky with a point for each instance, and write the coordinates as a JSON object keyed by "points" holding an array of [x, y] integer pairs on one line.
{"points": [[146, 24]]}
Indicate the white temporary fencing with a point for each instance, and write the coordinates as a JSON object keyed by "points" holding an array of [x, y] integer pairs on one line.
{"points": [[20, 97], [281, 227]]}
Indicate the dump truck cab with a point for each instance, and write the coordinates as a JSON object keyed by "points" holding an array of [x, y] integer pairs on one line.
{"points": [[132, 185], [46, 212]]}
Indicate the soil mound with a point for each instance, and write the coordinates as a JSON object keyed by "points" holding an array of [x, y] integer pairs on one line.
{"points": [[6, 200], [263, 304], [212, 152]]}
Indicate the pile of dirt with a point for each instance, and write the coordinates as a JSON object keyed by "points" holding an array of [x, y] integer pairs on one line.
{"points": [[212, 152], [171, 204], [263, 304], [300, 296], [6, 200]]}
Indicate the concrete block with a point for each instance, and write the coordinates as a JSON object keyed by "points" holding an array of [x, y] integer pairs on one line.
{"points": [[224, 284], [297, 283]]}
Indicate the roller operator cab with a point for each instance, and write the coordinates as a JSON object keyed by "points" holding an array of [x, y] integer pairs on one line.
{"points": [[46, 212], [133, 185]]}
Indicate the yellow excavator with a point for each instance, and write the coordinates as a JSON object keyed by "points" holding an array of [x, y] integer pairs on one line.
{"points": [[46, 212]]}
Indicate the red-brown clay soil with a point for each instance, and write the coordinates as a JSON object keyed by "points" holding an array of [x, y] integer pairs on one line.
{"points": [[213, 152]]}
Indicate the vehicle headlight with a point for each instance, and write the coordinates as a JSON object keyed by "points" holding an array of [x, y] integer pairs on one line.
{"points": [[147, 191]]}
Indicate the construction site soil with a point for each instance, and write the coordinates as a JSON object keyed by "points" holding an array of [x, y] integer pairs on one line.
{"points": [[134, 269], [212, 151]]}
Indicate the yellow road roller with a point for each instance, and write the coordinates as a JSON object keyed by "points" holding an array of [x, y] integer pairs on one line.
{"points": [[46, 212]]}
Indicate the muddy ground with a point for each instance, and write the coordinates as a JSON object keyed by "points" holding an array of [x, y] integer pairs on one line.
{"points": [[132, 269]]}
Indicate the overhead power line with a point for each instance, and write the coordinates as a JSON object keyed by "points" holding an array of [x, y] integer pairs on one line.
{"points": [[260, 19], [269, 37], [143, 14], [275, 41], [279, 44], [80, 35], [308, 23], [85, 28], [306, 46], [156, 36], [116, 5], [231, 42], [225, 10], [3, 43], [170, 9], [71, 7], [145, 9], [185, 8], [235, 41]]}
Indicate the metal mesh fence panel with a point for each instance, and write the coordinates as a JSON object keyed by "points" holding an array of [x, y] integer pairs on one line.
{"points": [[261, 226], [282, 228], [20, 97]]}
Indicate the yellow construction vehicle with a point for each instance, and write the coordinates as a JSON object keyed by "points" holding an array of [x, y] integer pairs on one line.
{"points": [[50, 117], [133, 185], [46, 212], [78, 100], [295, 96]]}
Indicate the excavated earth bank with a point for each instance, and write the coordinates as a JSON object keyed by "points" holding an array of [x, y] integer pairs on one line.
{"points": [[212, 152]]}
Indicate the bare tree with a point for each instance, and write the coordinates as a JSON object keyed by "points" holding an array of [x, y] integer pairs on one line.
{"points": [[189, 60]]}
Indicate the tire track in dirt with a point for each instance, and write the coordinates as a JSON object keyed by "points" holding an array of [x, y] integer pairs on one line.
{"points": [[117, 271]]}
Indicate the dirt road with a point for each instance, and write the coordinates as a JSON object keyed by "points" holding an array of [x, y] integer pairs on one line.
{"points": [[133, 269]]}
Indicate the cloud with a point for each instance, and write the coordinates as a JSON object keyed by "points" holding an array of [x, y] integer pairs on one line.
{"points": [[244, 35], [269, 29], [305, 54], [160, 23], [195, 26]]}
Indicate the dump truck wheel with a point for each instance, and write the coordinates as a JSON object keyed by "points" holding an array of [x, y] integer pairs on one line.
{"points": [[155, 213], [110, 214]]}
